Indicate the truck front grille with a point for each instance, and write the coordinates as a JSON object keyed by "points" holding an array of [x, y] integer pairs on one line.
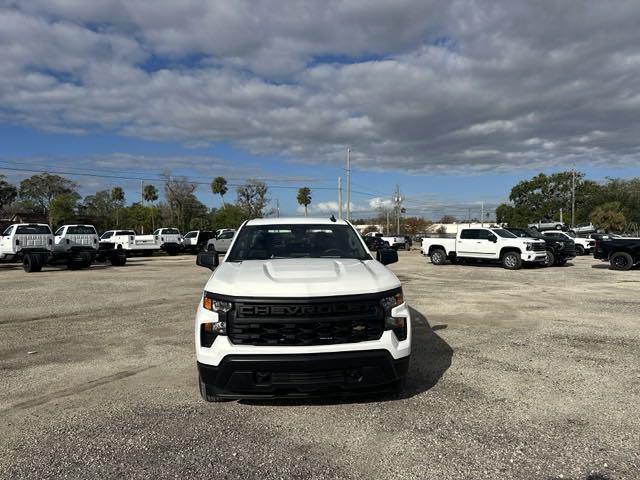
{"points": [[305, 323], [539, 247]]}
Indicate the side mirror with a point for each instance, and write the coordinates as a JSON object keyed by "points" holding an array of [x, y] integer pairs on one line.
{"points": [[387, 256], [208, 260], [493, 238]]}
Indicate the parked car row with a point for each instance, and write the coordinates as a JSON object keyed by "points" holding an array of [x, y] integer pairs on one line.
{"points": [[513, 247], [76, 246]]}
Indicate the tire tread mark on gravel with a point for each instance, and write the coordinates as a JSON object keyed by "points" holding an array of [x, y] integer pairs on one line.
{"points": [[67, 392], [155, 302]]}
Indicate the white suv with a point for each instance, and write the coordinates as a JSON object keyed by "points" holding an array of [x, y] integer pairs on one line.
{"points": [[300, 307]]}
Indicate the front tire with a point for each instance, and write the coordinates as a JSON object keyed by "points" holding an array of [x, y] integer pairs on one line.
{"points": [[579, 250], [511, 261], [438, 257], [621, 261], [550, 260]]}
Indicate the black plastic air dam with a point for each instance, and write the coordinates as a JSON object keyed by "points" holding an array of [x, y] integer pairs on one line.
{"points": [[268, 376]]}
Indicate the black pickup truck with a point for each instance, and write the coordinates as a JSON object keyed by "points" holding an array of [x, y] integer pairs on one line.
{"points": [[558, 252], [622, 253]]}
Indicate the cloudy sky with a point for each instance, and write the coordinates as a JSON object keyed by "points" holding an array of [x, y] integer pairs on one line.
{"points": [[455, 101]]}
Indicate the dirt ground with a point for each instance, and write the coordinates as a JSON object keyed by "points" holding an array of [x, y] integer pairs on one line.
{"points": [[530, 374]]}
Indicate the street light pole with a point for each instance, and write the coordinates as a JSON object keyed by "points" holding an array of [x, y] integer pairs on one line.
{"points": [[340, 198], [348, 184], [573, 197], [398, 201]]}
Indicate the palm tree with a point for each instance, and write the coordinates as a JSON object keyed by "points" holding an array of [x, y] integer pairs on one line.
{"points": [[117, 196], [304, 198], [150, 194], [219, 187]]}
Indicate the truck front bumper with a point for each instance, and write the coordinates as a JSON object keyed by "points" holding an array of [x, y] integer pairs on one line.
{"points": [[269, 376], [534, 257]]}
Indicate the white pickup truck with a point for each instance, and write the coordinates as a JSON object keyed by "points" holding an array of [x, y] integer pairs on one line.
{"points": [[29, 243], [495, 244], [300, 307], [394, 242], [170, 240], [131, 243], [77, 246]]}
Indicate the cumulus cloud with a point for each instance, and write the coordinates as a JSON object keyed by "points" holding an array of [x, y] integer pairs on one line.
{"points": [[412, 85]]}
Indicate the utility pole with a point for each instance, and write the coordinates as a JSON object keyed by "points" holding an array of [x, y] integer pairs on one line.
{"points": [[387, 232], [482, 214], [561, 219], [142, 202], [397, 199], [277, 207], [469, 216], [340, 198], [573, 197], [348, 184]]}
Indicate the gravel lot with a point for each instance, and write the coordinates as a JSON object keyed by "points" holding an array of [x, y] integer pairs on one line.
{"points": [[532, 374]]}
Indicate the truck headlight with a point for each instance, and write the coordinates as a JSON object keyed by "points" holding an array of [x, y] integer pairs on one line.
{"points": [[209, 332], [560, 245], [397, 324], [529, 245], [215, 304]]}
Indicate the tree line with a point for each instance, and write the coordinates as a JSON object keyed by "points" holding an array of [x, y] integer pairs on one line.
{"points": [[612, 206], [56, 199]]}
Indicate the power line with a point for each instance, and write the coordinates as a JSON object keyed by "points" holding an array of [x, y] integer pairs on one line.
{"points": [[147, 179], [111, 171]]}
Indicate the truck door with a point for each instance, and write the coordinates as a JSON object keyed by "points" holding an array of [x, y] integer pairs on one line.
{"points": [[474, 242], [466, 243], [5, 241], [484, 247]]}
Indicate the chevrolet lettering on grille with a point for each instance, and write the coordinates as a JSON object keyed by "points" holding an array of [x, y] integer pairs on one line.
{"points": [[302, 310]]}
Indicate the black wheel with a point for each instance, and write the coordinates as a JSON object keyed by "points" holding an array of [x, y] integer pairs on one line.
{"points": [[438, 256], [204, 392], [561, 263], [550, 260], [621, 261], [118, 260], [211, 248], [511, 261], [579, 250], [32, 263]]}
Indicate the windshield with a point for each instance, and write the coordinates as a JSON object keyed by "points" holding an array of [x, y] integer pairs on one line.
{"points": [[262, 242], [571, 234], [519, 232], [191, 235], [171, 231], [501, 232]]}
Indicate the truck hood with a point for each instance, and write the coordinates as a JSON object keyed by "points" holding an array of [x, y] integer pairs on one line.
{"points": [[295, 278]]}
